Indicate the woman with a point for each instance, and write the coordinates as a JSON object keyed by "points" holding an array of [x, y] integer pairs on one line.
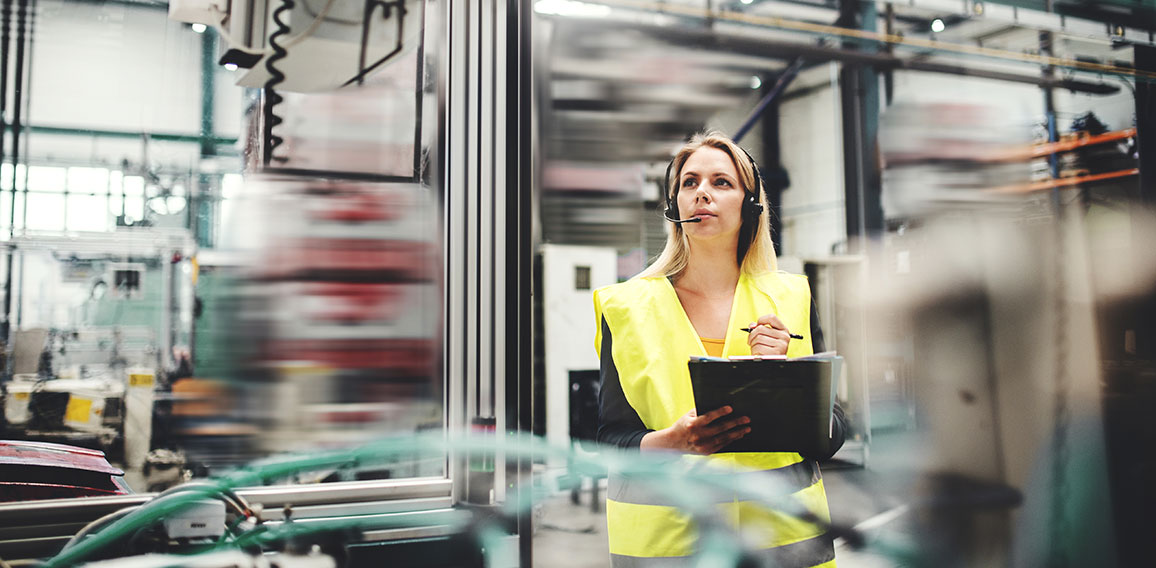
{"points": [[716, 275]]}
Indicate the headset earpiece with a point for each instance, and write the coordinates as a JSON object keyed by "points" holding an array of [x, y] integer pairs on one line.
{"points": [[752, 209], [671, 212]]}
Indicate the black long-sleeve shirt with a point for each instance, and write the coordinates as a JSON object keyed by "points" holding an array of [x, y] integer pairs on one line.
{"points": [[619, 424]]}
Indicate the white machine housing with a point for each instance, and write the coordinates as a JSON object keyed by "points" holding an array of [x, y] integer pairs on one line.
{"points": [[324, 42]]}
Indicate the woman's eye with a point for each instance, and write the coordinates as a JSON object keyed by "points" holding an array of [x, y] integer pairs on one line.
{"points": [[722, 182], [688, 182]]}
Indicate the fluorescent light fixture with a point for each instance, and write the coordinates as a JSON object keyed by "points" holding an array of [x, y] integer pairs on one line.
{"points": [[571, 8], [199, 28], [937, 25], [747, 1], [756, 82], [231, 66]]}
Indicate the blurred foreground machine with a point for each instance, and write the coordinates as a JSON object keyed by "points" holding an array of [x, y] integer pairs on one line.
{"points": [[1000, 301]]}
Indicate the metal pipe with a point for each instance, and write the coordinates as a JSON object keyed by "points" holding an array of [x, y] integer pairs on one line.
{"points": [[25, 106], [21, 18], [5, 22], [888, 76], [783, 81], [5, 40], [166, 326], [814, 53]]}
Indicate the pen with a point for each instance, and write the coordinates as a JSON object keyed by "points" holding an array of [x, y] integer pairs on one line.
{"points": [[793, 335]]}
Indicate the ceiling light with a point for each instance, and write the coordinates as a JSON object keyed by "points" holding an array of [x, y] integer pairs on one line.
{"points": [[747, 1], [756, 82], [199, 28], [231, 66], [937, 25]]}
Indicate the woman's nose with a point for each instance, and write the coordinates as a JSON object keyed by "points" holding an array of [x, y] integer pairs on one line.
{"points": [[701, 192]]}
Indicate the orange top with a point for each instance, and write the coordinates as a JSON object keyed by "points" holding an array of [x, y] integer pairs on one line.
{"points": [[714, 347]]}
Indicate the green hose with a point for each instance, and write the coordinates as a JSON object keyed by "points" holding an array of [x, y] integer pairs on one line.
{"points": [[689, 490]]}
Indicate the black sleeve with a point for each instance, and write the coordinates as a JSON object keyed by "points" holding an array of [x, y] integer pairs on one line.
{"points": [[817, 343], [839, 429], [618, 422]]}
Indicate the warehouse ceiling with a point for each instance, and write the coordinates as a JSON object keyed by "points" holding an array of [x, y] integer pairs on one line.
{"points": [[625, 81]]}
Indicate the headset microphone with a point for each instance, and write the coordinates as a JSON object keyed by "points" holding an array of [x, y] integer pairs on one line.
{"points": [[680, 221]]}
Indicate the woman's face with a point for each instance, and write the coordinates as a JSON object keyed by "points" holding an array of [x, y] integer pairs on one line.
{"points": [[709, 189]]}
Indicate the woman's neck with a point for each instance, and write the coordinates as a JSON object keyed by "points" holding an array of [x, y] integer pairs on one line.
{"points": [[711, 272]]}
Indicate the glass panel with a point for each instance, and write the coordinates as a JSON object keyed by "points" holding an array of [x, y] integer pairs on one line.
{"points": [[87, 213], [46, 179], [254, 309], [134, 208], [45, 212], [18, 211], [114, 204], [231, 185], [5, 211], [88, 180], [133, 185], [6, 176]]}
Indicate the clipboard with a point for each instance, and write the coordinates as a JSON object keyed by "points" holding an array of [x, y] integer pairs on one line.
{"points": [[789, 401]]}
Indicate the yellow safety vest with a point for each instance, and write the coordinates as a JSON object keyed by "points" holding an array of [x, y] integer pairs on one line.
{"points": [[652, 341]]}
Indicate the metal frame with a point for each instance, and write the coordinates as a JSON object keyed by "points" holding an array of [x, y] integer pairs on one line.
{"points": [[488, 173], [37, 529]]}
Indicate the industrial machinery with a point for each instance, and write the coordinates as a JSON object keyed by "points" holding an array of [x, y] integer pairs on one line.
{"points": [[95, 319], [307, 45], [35, 470]]}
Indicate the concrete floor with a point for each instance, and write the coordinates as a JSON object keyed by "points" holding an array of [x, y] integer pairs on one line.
{"points": [[574, 536]]}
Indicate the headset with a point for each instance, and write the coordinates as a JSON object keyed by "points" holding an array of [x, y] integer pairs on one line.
{"points": [[751, 210]]}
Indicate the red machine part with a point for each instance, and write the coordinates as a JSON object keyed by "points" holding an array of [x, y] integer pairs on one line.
{"points": [[31, 471]]}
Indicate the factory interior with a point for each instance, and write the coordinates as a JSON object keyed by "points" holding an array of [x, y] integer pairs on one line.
{"points": [[312, 283]]}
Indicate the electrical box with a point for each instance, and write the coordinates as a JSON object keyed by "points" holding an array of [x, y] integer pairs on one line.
{"points": [[202, 519], [125, 279]]}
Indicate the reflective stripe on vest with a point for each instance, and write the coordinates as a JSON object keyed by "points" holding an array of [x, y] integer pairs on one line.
{"points": [[660, 530], [804, 473], [646, 318], [817, 552]]}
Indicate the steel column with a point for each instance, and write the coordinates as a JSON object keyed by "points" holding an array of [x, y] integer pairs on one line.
{"points": [[859, 93]]}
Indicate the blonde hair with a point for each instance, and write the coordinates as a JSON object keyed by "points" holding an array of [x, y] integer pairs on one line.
{"points": [[757, 258]]}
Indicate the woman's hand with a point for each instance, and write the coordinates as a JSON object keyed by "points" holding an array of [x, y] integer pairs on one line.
{"points": [[769, 336], [696, 434]]}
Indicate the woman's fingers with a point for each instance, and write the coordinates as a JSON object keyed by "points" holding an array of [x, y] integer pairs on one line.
{"points": [[712, 415], [708, 433], [720, 427], [710, 423], [771, 321], [768, 341], [769, 336], [767, 331], [719, 441]]}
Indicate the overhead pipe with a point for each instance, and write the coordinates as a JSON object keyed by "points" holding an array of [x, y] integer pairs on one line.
{"points": [[816, 53], [784, 80]]}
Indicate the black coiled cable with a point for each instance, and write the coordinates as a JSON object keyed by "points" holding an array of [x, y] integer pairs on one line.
{"points": [[276, 77]]}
